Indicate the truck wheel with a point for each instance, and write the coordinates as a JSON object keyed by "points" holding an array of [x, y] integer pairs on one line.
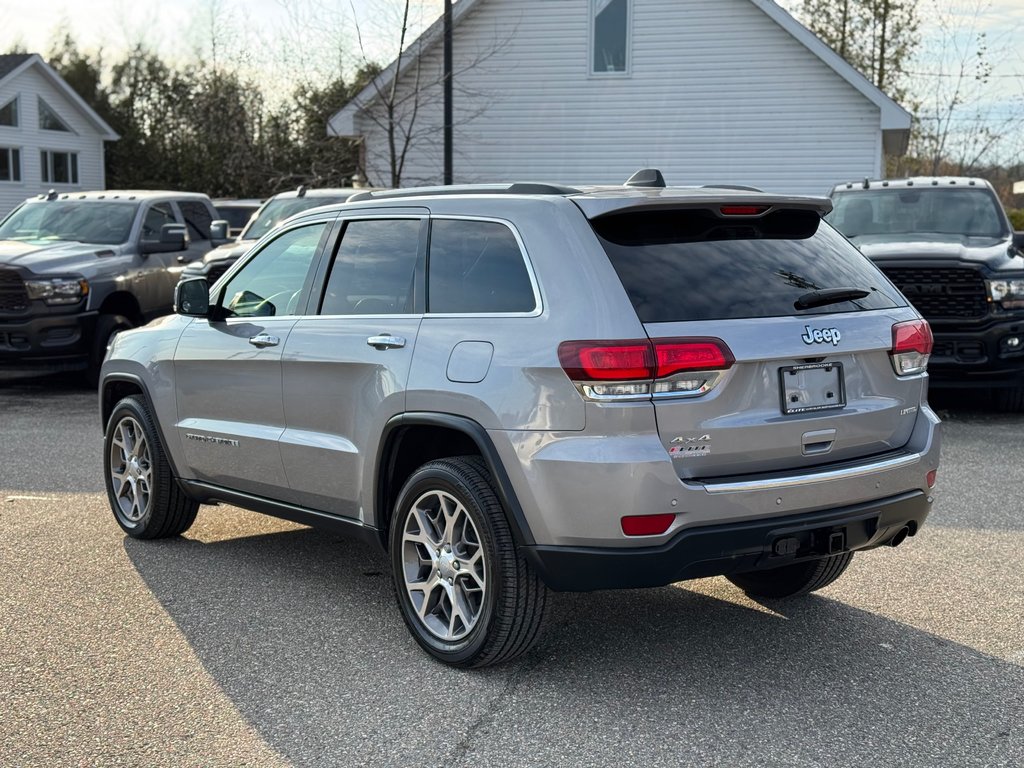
{"points": [[146, 501], [791, 580], [107, 327], [1009, 399], [465, 591]]}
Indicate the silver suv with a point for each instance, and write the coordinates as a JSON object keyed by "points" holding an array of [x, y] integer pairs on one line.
{"points": [[518, 388]]}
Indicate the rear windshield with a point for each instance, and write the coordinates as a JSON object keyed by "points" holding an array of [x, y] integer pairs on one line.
{"points": [[974, 212], [681, 265]]}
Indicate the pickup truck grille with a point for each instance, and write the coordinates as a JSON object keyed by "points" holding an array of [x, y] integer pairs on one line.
{"points": [[13, 296], [939, 292]]}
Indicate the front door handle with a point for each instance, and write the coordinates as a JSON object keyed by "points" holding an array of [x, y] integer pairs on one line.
{"points": [[262, 340], [386, 341]]}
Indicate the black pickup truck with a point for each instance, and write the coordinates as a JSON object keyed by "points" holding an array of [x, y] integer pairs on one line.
{"points": [[947, 244]]}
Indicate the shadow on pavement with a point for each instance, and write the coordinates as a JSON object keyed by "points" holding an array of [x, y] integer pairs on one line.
{"points": [[301, 631]]}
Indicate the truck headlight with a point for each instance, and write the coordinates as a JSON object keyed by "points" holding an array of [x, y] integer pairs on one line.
{"points": [[58, 290], [1008, 293]]}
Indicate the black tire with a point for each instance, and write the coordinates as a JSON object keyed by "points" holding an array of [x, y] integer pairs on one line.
{"points": [[107, 327], [792, 580], [1009, 399], [156, 505], [511, 612]]}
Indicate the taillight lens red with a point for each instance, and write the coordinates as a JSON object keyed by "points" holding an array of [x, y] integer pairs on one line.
{"points": [[646, 525], [607, 360], [912, 336], [911, 347], [694, 355], [931, 477], [638, 359]]}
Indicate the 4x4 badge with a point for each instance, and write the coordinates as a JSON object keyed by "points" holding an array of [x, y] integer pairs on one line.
{"points": [[821, 335]]}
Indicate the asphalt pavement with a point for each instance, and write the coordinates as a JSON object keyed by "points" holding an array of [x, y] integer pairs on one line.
{"points": [[252, 641]]}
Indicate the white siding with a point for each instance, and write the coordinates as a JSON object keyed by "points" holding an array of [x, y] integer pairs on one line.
{"points": [[85, 140], [717, 92]]}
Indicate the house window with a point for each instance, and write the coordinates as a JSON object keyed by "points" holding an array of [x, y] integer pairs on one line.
{"points": [[9, 113], [609, 24], [49, 120], [10, 164], [59, 167]]}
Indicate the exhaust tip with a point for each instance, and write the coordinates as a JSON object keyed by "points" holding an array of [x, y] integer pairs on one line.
{"points": [[900, 537]]}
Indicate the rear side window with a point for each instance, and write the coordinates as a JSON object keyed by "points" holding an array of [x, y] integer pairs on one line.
{"points": [[476, 267], [682, 265], [197, 218]]}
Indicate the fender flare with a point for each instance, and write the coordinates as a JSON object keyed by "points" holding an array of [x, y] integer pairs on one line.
{"points": [[391, 439]]}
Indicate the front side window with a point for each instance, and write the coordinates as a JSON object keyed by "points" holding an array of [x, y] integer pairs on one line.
{"points": [[197, 218], [271, 282], [374, 271], [157, 215], [10, 164], [609, 24], [59, 167], [9, 113], [476, 267], [49, 120]]}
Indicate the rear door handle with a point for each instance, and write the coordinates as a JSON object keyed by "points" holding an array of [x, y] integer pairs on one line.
{"points": [[386, 341], [262, 340]]}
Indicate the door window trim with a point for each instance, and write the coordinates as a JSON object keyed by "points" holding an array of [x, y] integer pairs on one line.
{"points": [[323, 272], [523, 254]]}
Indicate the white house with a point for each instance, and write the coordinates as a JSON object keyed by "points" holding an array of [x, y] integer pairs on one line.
{"points": [[589, 91], [49, 137]]}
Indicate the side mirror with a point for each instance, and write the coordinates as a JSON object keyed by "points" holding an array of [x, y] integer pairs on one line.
{"points": [[192, 297], [1018, 241], [172, 238], [219, 231]]}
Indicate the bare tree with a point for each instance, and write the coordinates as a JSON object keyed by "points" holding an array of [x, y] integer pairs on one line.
{"points": [[397, 96], [965, 122]]}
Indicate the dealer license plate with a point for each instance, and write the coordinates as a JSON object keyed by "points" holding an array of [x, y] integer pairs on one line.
{"points": [[812, 387]]}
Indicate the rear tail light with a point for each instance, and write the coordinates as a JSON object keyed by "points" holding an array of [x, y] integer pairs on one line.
{"points": [[638, 368], [646, 525], [911, 347]]}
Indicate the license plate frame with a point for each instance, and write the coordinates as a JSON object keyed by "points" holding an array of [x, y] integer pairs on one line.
{"points": [[812, 387]]}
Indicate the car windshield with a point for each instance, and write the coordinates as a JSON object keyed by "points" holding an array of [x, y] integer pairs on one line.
{"points": [[276, 211], [915, 210], [83, 221]]}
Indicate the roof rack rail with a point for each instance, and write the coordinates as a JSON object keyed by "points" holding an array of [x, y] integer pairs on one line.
{"points": [[517, 188], [739, 187]]}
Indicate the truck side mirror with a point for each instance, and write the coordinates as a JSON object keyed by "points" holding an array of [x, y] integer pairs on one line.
{"points": [[192, 297], [172, 238], [219, 231]]}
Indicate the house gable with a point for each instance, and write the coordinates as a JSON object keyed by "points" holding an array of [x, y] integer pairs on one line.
{"points": [[716, 90]]}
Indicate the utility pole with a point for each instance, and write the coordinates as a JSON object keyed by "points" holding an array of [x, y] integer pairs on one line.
{"points": [[447, 92]]}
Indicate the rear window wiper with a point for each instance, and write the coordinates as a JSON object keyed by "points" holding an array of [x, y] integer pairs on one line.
{"points": [[829, 296]]}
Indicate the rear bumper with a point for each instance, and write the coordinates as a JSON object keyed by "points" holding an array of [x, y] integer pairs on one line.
{"points": [[716, 550]]}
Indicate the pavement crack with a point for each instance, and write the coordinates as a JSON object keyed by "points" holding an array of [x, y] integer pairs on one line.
{"points": [[512, 684]]}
